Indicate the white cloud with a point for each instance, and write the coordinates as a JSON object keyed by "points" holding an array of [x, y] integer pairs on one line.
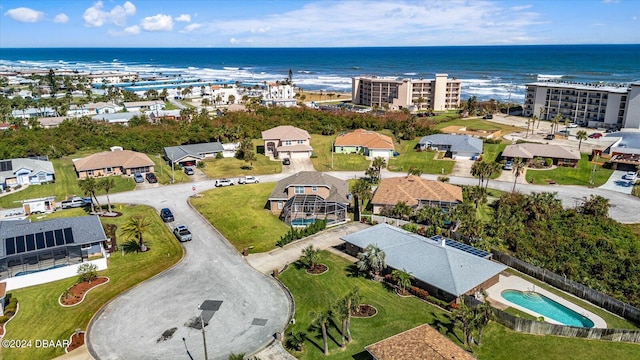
{"points": [[96, 16], [132, 30], [191, 27], [233, 41], [158, 22], [184, 18], [26, 15], [61, 18]]}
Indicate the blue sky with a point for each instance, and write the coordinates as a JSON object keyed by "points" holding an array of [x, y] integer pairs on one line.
{"points": [[298, 23]]}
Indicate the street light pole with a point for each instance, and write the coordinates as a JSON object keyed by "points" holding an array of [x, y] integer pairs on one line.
{"points": [[204, 339]]}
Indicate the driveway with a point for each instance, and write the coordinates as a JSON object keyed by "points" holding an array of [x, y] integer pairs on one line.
{"points": [[298, 165], [254, 306], [462, 167], [617, 183]]}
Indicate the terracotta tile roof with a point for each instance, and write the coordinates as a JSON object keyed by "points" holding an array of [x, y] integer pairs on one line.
{"points": [[118, 158], [422, 342], [530, 150], [285, 132], [369, 139], [412, 188]]}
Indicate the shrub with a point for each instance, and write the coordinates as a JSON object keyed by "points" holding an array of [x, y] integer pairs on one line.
{"points": [[295, 234], [421, 293], [4, 319], [411, 227], [452, 305], [548, 161], [219, 155], [444, 179], [87, 272], [201, 164]]}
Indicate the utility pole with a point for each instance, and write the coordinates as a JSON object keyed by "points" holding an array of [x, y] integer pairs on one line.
{"points": [[593, 171], [204, 339]]}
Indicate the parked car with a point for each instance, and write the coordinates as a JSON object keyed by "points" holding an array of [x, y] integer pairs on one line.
{"points": [[630, 175], [488, 116], [564, 132], [248, 180], [595, 135], [286, 161], [182, 233], [75, 202], [508, 165], [166, 215], [573, 125], [549, 137], [138, 178], [151, 178], [188, 170], [611, 130], [224, 182]]}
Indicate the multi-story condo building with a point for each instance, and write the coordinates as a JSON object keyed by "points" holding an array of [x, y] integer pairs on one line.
{"points": [[439, 94], [593, 105]]}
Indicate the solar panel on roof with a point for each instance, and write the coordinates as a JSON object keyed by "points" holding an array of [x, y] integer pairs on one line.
{"points": [[461, 246]]}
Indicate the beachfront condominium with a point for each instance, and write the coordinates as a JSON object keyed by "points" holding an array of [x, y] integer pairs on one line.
{"points": [[589, 104], [439, 94]]}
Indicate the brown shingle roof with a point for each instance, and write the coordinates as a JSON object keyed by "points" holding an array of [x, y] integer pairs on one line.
{"points": [[369, 139], [530, 150], [410, 189], [422, 342], [285, 132], [338, 187], [118, 158]]}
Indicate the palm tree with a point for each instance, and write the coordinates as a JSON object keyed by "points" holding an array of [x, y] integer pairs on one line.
{"points": [[378, 164], [372, 260], [234, 356], [135, 227], [402, 278], [484, 314], [310, 257], [107, 184], [465, 318], [431, 215], [341, 309], [250, 157], [362, 189], [555, 122], [89, 187], [320, 318], [518, 166], [581, 135], [402, 210], [295, 340], [414, 171], [353, 299], [477, 195]]}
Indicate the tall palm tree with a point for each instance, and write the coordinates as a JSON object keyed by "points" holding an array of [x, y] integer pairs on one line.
{"points": [[310, 257], [402, 210], [250, 157], [518, 166], [135, 227], [484, 314], [320, 318], [107, 184], [341, 310], [89, 186], [555, 122], [581, 135], [372, 260]]}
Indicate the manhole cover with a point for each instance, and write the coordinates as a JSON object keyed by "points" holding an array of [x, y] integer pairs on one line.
{"points": [[259, 322]]}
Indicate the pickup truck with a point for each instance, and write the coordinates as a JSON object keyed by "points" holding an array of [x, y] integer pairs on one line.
{"points": [[75, 202], [248, 180], [166, 215], [182, 233]]}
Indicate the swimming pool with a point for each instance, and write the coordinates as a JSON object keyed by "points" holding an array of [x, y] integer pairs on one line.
{"points": [[302, 222], [546, 307], [21, 273]]}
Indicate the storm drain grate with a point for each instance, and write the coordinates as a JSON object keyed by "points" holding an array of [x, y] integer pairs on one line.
{"points": [[259, 322]]}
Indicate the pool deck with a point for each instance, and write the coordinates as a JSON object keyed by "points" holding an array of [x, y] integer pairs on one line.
{"points": [[513, 282]]}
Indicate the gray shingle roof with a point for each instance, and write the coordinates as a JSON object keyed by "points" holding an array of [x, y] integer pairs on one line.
{"points": [[446, 268], [338, 188], [458, 143], [35, 166], [86, 229], [176, 153]]}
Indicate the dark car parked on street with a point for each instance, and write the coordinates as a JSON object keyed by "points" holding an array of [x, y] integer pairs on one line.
{"points": [[166, 215]]}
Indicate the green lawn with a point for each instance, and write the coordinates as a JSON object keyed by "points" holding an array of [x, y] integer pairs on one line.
{"points": [[571, 176], [66, 184], [41, 317], [423, 160], [321, 145], [232, 167], [479, 124], [492, 152], [395, 314], [164, 172], [238, 213]]}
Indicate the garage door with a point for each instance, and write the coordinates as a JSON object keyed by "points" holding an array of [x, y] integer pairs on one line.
{"points": [[378, 153], [299, 155]]}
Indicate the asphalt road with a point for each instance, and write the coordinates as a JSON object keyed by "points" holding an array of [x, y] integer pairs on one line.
{"points": [[254, 307], [130, 326]]}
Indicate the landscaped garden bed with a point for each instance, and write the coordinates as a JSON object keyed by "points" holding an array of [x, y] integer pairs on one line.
{"points": [[77, 340], [75, 294], [317, 269], [364, 311]]}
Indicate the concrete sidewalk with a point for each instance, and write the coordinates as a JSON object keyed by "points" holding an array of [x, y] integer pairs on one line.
{"points": [[278, 258]]}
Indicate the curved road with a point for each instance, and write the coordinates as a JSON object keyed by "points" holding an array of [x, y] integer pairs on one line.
{"points": [[254, 307]]}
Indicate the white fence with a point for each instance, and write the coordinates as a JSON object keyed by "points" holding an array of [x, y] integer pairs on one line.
{"points": [[46, 276]]}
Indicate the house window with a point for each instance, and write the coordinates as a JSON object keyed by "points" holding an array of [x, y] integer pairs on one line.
{"points": [[287, 142], [298, 189], [109, 170], [314, 188], [89, 172], [300, 142], [280, 205]]}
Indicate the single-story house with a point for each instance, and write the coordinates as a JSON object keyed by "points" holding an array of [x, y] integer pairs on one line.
{"points": [[31, 248], [114, 162], [158, 115], [93, 109], [279, 102], [287, 142], [415, 192], [188, 155], [370, 143], [421, 342], [34, 112], [302, 198], [462, 130], [24, 171], [561, 155], [139, 106], [463, 146], [117, 118], [52, 122], [445, 270]]}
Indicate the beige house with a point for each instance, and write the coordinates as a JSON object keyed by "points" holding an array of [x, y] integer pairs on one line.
{"points": [[369, 143], [308, 195], [114, 162], [415, 192], [287, 142], [561, 155]]}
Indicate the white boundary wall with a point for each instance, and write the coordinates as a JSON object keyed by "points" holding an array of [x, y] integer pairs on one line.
{"points": [[43, 277]]}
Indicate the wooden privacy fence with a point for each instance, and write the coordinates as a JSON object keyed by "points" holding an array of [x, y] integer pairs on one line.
{"points": [[604, 301]]}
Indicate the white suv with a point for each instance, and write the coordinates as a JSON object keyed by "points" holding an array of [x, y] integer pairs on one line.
{"points": [[224, 182], [248, 180]]}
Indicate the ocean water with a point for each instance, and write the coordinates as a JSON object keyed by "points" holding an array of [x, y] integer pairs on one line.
{"points": [[488, 72]]}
